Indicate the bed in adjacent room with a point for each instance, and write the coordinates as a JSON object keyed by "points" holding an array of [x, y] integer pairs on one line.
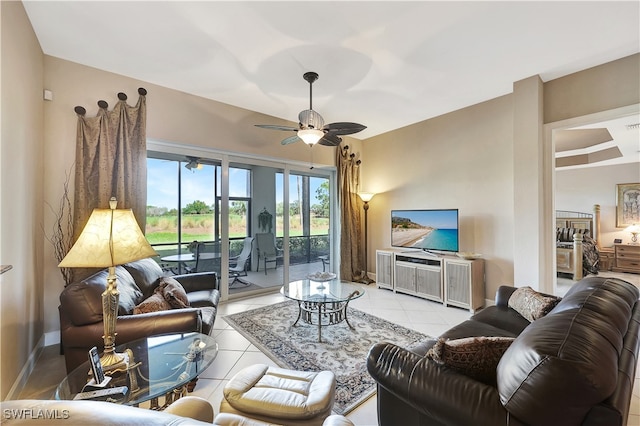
{"points": [[577, 236]]}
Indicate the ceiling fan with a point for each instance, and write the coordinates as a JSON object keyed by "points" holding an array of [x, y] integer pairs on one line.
{"points": [[311, 129]]}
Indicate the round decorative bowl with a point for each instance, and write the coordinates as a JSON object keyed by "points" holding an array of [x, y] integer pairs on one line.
{"points": [[321, 276], [468, 255]]}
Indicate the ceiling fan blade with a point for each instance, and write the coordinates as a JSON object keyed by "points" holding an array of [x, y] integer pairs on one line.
{"points": [[330, 139], [344, 128], [276, 127], [290, 140]]}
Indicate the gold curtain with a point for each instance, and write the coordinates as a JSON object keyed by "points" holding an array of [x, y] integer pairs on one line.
{"points": [[351, 216], [111, 160]]}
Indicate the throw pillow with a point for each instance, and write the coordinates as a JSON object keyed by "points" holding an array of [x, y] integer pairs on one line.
{"points": [[153, 303], [531, 304], [566, 234], [173, 293], [476, 357]]}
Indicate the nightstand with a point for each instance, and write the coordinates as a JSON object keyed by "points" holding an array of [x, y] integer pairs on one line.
{"points": [[627, 258]]}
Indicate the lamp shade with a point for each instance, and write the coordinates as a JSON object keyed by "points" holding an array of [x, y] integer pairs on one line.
{"points": [[111, 237], [310, 136], [366, 196], [634, 229]]}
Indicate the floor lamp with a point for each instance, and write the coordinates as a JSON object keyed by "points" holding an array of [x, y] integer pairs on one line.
{"points": [[366, 197], [111, 237]]}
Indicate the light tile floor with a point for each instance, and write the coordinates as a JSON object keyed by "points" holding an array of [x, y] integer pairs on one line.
{"points": [[235, 352]]}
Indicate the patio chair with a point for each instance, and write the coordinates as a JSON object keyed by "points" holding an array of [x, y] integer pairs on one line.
{"points": [[207, 258], [238, 264], [267, 250]]}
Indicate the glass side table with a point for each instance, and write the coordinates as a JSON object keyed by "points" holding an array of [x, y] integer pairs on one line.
{"points": [[322, 303], [159, 366]]}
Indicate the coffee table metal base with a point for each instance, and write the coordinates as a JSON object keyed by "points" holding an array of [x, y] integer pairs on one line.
{"points": [[326, 313]]}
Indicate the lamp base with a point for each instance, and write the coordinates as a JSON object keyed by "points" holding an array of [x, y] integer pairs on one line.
{"points": [[114, 362]]}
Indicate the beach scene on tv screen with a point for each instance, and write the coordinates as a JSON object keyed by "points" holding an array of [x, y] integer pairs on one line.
{"points": [[425, 229]]}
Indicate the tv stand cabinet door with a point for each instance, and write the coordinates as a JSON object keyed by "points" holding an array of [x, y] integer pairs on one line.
{"points": [[405, 278], [429, 283], [464, 283], [384, 269]]}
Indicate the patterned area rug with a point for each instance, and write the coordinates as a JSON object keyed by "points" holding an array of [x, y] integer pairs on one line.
{"points": [[343, 351]]}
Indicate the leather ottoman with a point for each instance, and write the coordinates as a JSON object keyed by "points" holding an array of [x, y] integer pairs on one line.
{"points": [[280, 396]]}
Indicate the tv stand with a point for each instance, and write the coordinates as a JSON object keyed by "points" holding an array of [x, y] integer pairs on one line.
{"points": [[441, 278]]}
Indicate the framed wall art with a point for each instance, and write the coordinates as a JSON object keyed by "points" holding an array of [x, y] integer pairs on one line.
{"points": [[627, 204]]}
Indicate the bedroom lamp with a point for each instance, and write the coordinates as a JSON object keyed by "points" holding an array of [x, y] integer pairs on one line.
{"points": [[634, 230], [111, 237], [366, 197]]}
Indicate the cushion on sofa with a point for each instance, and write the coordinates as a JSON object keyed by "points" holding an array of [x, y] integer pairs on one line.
{"points": [[531, 304], [145, 273], [169, 294], [154, 303], [173, 293], [575, 347], [476, 357], [86, 296]]}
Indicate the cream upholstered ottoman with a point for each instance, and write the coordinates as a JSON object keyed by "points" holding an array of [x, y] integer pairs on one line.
{"points": [[280, 396]]}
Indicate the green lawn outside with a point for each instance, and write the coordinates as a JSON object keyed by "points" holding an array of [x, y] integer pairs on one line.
{"points": [[163, 229]]}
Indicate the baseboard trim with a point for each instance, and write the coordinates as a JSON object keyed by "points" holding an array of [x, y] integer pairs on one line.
{"points": [[26, 371]]}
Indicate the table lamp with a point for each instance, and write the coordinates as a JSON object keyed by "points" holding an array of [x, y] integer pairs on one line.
{"points": [[111, 237], [634, 230]]}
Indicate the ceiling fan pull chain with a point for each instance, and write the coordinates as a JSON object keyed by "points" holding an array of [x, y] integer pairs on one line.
{"points": [[311, 164]]}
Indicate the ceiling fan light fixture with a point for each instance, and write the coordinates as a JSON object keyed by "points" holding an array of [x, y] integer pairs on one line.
{"points": [[310, 119], [310, 136], [193, 164]]}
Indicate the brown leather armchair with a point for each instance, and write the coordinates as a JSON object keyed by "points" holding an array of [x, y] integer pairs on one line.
{"points": [[80, 308]]}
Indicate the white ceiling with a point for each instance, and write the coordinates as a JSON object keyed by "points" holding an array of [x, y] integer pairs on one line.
{"points": [[383, 64]]}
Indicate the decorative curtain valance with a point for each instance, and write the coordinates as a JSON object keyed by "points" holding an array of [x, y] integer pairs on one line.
{"points": [[351, 253], [111, 160]]}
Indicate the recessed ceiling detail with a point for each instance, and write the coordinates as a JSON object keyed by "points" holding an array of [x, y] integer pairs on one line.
{"points": [[568, 140], [591, 158]]}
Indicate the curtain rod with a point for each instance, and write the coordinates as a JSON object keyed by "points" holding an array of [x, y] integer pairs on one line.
{"points": [[104, 105]]}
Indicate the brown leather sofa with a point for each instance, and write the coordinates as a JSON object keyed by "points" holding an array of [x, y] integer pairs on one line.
{"points": [[80, 308], [574, 366]]}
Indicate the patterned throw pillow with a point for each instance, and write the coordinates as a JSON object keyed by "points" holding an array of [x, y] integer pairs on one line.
{"points": [[531, 304], [173, 293], [153, 303], [476, 357], [566, 234]]}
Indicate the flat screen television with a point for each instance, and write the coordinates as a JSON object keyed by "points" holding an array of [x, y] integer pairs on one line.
{"points": [[429, 230]]}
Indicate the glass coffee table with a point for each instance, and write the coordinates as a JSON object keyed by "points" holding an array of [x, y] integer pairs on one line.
{"points": [[159, 366], [322, 303]]}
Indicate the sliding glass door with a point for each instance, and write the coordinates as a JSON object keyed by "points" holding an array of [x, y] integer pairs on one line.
{"points": [[273, 218]]}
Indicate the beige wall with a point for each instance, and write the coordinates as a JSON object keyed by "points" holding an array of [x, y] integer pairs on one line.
{"points": [[459, 160], [21, 177], [602, 88]]}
